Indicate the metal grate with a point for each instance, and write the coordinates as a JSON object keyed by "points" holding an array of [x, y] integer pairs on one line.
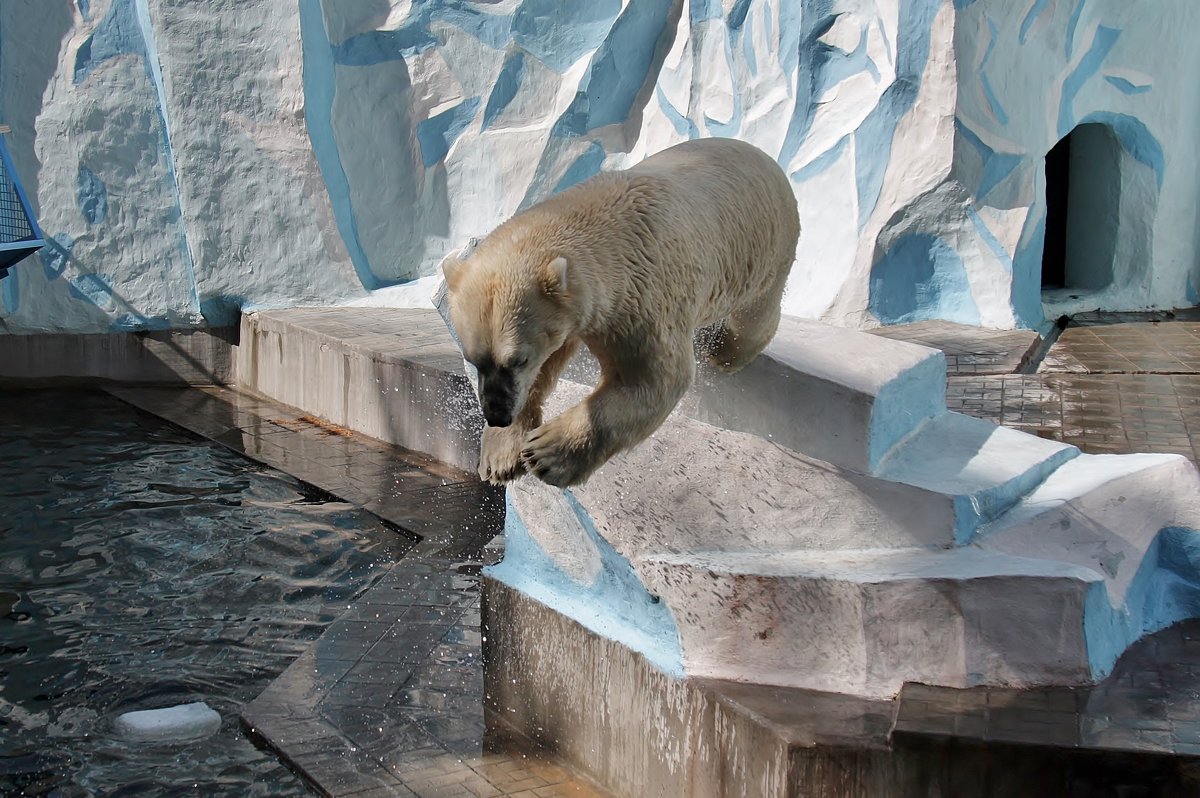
{"points": [[14, 223], [19, 232]]}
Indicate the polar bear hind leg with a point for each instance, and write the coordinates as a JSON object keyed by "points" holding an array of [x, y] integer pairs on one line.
{"points": [[740, 338]]}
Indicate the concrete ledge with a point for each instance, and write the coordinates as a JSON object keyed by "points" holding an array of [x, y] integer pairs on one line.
{"points": [[395, 375], [866, 622], [172, 357], [984, 467], [643, 734], [839, 395]]}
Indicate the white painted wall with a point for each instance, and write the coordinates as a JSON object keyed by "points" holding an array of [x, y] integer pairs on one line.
{"points": [[192, 158], [1029, 73]]}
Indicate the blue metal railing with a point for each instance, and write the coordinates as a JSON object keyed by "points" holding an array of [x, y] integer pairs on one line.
{"points": [[20, 235]]}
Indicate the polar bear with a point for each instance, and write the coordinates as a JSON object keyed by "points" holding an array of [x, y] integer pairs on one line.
{"points": [[630, 264]]}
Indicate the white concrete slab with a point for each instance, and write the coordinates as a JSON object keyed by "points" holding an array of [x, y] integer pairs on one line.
{"points": [[865, 622], [839, 395], [984, 467]]}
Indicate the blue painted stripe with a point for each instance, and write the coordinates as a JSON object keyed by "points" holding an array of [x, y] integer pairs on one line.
{"points": [[989, 238], [746, 33], [874, 137], [1127, 87], [737, 14], [1088, 66], [822, 162], [560, 33], [683, 126], [586, 165], [92, 288], [1073, 26], [992, 100], [619, 69], [996, 165], [55, 255], [921, 277], [1031, 17], [493, 30], [382, 46], [703, 10], [92, 196], [505, 89], [887, 42], [319, 87], [117, 34], [807, 64], [1027, 269], [1136, 138]]}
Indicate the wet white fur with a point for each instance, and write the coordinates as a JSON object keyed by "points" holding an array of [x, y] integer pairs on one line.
{"points": [[629, 264]]}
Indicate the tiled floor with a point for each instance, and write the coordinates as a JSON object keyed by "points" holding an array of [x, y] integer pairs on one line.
{"points": [[389, 701], [1111, 383]]}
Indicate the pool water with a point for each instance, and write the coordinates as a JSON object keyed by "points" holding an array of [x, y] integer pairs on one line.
{"points": [[144, 567]]}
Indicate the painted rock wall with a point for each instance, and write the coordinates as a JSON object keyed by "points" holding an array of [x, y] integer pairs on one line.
{"points": [[1029, 74], [191, 158]]}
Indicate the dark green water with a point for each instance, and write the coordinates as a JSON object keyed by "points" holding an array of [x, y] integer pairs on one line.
{"points": [[143, 567]]}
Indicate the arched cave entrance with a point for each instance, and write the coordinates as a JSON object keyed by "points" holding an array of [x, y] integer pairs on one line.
{"points": [[1083, 204]]}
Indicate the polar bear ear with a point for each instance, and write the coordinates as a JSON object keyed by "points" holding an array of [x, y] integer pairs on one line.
{"points": [[556, 276], [453, 269]]}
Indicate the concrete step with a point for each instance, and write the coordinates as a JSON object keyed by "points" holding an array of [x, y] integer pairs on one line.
{"points": [[866, 622], [834, 394], [984, 467], [1129, 518], [860, 419], [393, 374]]}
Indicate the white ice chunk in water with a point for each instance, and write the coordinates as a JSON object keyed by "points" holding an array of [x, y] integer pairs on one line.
{"points": [[182, 722]]}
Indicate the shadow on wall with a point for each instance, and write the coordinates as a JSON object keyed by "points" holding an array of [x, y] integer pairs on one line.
{"points": [[35, 66], [921, 277]]}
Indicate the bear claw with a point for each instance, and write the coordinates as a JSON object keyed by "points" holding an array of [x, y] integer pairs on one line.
{"points": [[500, 460]]}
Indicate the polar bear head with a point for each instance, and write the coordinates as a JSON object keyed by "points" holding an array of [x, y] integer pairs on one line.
{"points": [[511, 311]]}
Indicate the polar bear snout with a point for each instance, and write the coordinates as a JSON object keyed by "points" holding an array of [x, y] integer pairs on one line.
{"points": [[498, 398]]}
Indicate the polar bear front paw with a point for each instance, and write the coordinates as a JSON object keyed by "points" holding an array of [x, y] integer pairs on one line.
{"points": [[554, 457], [500, 454]]}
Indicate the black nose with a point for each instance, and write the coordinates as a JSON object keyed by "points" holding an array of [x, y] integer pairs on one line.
{"points": [[497, 417], [497, 397]]}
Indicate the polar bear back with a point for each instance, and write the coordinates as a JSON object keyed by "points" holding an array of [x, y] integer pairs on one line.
{"points": [[733, 220], [687, 235]]}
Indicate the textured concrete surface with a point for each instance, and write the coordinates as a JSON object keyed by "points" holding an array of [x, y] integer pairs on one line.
{"points": [[197, 357], [645, 735], [863, 573], [395, 375], [189, 160]]}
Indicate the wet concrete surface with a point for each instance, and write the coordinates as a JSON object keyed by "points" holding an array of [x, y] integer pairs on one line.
{"points": [[390, 700]]}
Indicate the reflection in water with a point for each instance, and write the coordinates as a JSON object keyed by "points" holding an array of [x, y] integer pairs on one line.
{"points": [[142, 567]]}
